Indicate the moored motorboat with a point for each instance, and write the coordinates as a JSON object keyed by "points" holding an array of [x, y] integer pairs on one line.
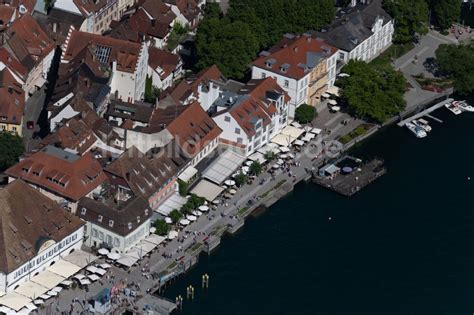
{"points": [[464, 106], [416, 130], [423, 124], [453, 108]]}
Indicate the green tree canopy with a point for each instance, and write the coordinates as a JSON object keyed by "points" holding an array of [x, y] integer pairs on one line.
{"points": [[373, 91], [175, 215], [229, 45], [305, 113], [240, 179], [11, 147], [411, 17], [183, 188], [162, 228], [255, 168], [457, 62], [446, 12]]}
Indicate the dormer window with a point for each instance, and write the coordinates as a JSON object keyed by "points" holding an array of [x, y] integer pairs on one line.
{"points": [[130, 225], [83, 211], [138, 219], [99, 218], [146, 212], [111, 223], [269, 63]]}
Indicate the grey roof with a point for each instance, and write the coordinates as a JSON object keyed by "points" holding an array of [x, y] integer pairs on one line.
{"points": [[354, 25], [60, 153]]}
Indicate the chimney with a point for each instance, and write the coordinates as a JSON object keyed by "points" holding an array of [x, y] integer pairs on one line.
{"points": [[153, 22]]}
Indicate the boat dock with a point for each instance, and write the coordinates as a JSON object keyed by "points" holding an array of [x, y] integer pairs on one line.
{"points": [[426, 112], [349, 183], [153, 304]]}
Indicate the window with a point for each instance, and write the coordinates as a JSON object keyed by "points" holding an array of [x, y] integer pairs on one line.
{"points": [[287, 83], [111, 223], [94, 232], [227, 118], [83, 210], [237, 131], [116, 242], [99, 218], [130, 225], [341, 55], [264, 75], [240, 140], [101, 235]]}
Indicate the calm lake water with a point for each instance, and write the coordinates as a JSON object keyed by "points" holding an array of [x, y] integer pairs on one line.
{"points": [[404, 245]]}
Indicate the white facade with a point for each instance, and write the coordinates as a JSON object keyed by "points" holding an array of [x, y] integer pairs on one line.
{"points": [[234, 135], [131, 86], [37, 76], [165, 82], [296, 89], [96, 235], [208, 96], [144, 141], [66, 113], [49, 253], [367, 50]]}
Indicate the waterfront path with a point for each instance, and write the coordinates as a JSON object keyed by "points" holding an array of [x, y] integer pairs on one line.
{"points": [[198, 231]]}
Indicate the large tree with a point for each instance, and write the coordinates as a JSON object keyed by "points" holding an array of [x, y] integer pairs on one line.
{"points": [[229, 45], [11, 147], [457, 62], [373, 91], [411, 17], [446, 12]]}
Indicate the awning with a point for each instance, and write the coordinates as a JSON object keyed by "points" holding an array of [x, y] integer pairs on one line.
{"points": [[64, 268], [187, 174], [292, 131], [80, 258], [296, 124], [47, 279], [14, 301], [79, 276], [155, 239], [134, 253], [105, 266], [284, 149], [223, 166], [207, 190], [299, 142], [308, 137], [283, 140], [66, 282], [257, 156], [331, 169], [31, 289], [316, 131], [144, 247], [172, 235], [127, 261], [184, 222], [175, 201], [271, 147], [93, 277], [91, 269], [85, 282], [332, 102], [100, 271], [333, 90]]}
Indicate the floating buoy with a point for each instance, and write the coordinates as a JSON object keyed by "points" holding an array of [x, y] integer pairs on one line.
{"points": [[468, 178], [330, 218]]}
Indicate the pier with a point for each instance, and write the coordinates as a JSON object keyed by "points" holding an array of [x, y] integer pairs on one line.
{"points": [[425, 112], [348, 180]]}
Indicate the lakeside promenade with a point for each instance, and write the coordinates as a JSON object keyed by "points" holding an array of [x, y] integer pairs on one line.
{"points": [[191, 240]]}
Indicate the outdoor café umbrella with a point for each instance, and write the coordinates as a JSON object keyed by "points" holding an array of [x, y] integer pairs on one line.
{"points": [[152, 229], [205, 208], [168, 220], [229, 182], [326, 95], [103, 251], [280, 162], [284, 156], [232, 191], [248, 163], [215, 201], [52, 293], [276, 166], [105, 266], [184, 222], [197, 213], [245, 169], [172, 235], [191, 218], [38, 301], [316, 131], [332, 102], [298, 142], [291, 155], [284, 149], [113, 256]]}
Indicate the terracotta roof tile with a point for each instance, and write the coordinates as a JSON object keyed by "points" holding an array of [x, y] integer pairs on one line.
{"points": [[165, 60], [27, 220], [12, 99]]}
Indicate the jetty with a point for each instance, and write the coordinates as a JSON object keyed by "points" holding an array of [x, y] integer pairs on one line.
{"points": [[426, 112], [348, 180]]}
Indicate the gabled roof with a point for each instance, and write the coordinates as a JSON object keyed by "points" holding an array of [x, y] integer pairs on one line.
{"points": [[121, 219], [350, 29], [143, 176], [257, 104], [164, 60], [74, 135], [138, 111], [193, 129], [125, 53], [8, 60], [12, 98], [28, 41], [188, 8], [27, 220], [294, 56], [61, 172]]}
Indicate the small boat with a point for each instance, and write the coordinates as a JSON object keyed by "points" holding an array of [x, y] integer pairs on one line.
{"points": [[416, 130], [464, 106], [453, 108], [423, 124]]}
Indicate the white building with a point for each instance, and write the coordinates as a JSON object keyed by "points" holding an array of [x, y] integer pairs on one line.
{"points": [[164, 68], [30, 232], [303, 66], [362, 32], [251, 118]]}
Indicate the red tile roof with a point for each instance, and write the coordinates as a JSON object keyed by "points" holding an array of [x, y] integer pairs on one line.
{"points": [[124, 52], [12, 63], [293, 53], [193, 129], [12, 99], [28, 41], [63, 173], [7, 13], [256, 105], [165, 60]]}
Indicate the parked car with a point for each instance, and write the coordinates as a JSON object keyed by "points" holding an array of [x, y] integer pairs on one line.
{"points": [[30, 124]]}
